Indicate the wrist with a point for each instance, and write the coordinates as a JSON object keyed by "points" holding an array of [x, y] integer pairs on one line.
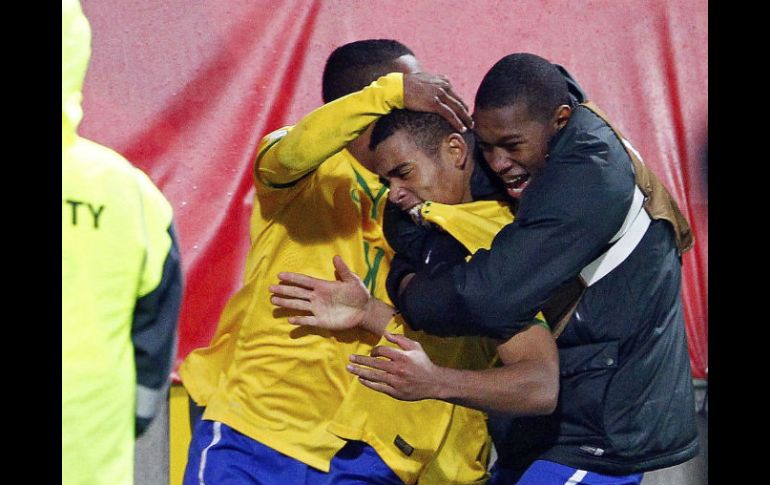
{"points": [[377, 314], [444, 384]]}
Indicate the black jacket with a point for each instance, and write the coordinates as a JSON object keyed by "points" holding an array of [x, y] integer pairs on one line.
{"points": [[626, 403]]}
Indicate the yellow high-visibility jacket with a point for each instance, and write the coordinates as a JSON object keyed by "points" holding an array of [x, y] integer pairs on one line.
{"points": [[121, 290]]}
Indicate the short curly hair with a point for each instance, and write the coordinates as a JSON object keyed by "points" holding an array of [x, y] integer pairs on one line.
{"points": [[353, 66], [527, 78], [427, 130]]}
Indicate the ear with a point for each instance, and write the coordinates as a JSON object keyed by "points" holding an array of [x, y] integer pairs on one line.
{"points": [[456, 149], [561, 116]]}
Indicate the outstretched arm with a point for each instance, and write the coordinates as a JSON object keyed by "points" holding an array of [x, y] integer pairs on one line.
{"points": [[335, 305], [287, 154], [526, 385]]}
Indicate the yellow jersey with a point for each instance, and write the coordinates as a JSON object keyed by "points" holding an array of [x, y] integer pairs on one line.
{"points": [[430, 440], [273, 381]]}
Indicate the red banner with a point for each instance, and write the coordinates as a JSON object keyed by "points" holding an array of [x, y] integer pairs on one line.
{"points": [[186, 89]]}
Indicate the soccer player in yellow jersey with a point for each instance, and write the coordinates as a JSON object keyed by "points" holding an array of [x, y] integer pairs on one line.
{"points": [[271, 390], [424, 159]]}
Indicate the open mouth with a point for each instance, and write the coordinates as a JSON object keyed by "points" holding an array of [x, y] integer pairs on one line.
{"points": [[516, 185], [407, 200]]}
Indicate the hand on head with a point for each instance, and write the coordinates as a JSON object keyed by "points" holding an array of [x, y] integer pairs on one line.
{"points": [[433, 93]]}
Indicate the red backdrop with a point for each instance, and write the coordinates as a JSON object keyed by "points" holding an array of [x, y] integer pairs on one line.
{"points": [[186, 88]]}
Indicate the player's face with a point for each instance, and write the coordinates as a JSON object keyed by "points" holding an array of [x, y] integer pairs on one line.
{"points": [[415, 176], [514, 144]]}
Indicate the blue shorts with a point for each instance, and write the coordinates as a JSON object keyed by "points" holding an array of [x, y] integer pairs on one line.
{"points": [[220, 455], [542, 472]]}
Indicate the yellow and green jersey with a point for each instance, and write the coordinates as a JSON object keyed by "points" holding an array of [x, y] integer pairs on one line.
{"points": [[278, 383], [430, 440]]}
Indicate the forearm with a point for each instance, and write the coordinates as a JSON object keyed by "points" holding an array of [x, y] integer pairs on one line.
{"points": [[326, 130], [526, 385], [499, 292], [523, 389]]}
